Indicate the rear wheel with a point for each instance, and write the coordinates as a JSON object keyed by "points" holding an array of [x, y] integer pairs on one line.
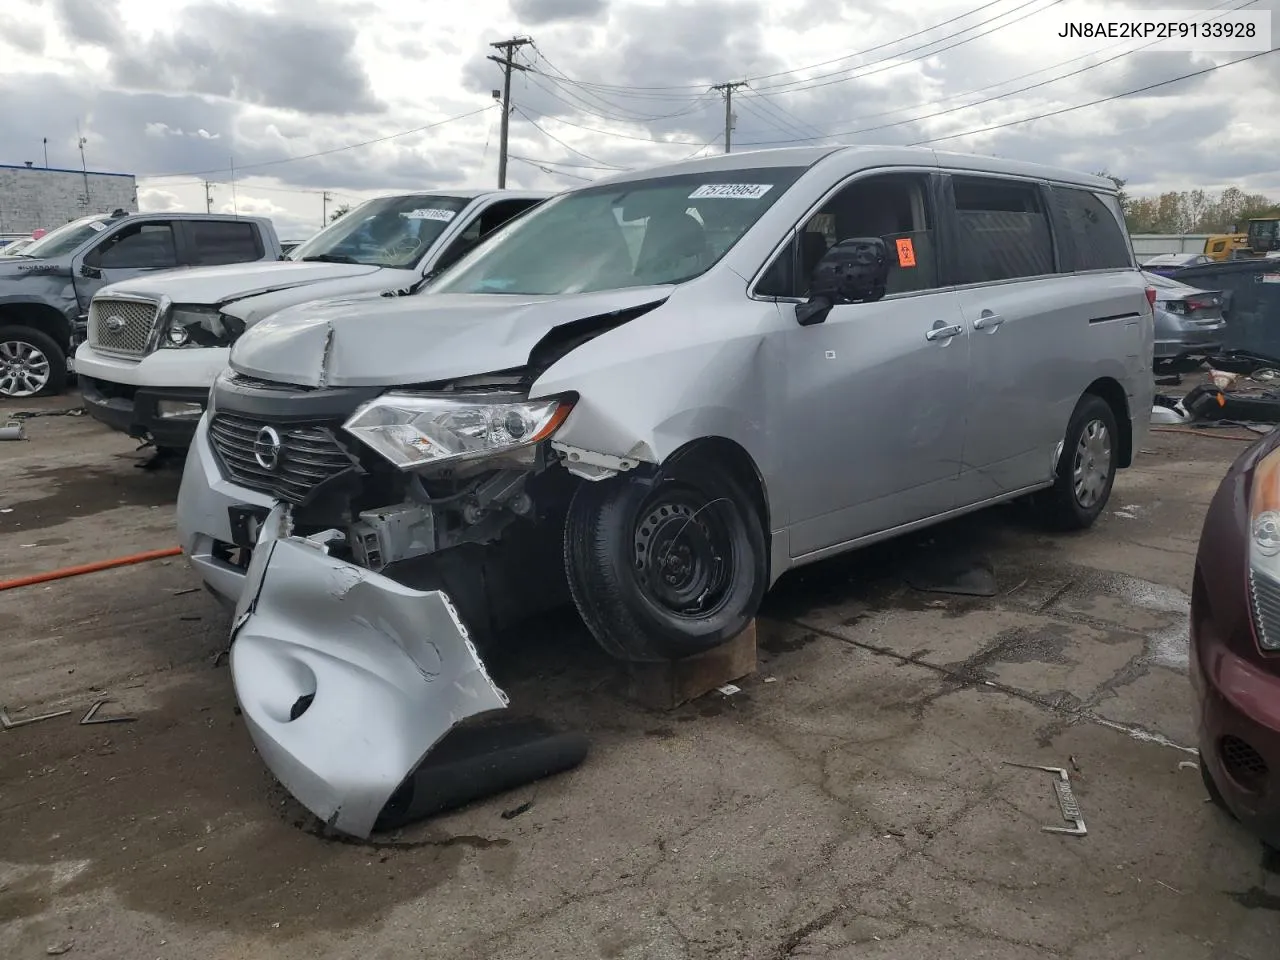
{"points": [[665, 567], [1086, 469], [31, 363]]}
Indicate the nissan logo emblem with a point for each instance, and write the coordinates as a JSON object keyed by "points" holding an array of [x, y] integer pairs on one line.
{"points": [[115, 324], [266, 448]]}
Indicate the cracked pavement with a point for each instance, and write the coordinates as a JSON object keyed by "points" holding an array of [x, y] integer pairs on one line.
{"points": [[856, 806]]}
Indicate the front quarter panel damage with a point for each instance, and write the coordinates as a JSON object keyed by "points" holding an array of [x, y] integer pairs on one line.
{"points": [[673, 376], [347, 679]]}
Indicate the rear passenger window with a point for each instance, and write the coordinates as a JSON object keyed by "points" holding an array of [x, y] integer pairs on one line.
{"points": [[1003, 230], [1093, 231], [217, 242], [894, 207]]}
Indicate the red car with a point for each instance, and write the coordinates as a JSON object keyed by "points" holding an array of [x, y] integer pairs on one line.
{"points": [[1235, 641]]}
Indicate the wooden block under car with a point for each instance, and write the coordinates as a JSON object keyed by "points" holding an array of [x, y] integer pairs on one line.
{"points": [[665, 686]]}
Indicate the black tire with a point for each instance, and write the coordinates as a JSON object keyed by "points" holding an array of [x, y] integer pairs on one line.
{"points": [[722, 557], [1065, 505], [46, 346]]}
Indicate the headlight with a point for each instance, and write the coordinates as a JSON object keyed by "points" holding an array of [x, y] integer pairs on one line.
{"points": [[1264, 549], [414, 430], [196, 326]]}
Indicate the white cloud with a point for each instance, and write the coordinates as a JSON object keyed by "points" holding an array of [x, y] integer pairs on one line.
{"points": [[608, 78]]}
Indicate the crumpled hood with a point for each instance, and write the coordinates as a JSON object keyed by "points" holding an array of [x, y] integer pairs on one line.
{"points": [[414, 339], [254, 307], [216, 286]]}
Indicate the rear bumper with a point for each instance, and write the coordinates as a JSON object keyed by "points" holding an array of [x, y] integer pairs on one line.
{"points": [[1186, 347]]}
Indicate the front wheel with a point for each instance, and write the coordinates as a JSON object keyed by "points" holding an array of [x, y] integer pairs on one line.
{"points": [[1086, 469], [31, 363], [665, 567]]}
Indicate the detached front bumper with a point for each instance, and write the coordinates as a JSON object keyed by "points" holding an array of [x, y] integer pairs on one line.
{"points": [[346, 679]]}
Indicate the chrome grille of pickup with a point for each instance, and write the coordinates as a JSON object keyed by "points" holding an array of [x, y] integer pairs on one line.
{"points": [[121, 326], [1266, 609], [308, 455]]}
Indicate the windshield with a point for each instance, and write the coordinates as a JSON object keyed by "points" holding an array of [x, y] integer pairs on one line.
{"points": [[386, 232], [69, 236], [632, 234]]}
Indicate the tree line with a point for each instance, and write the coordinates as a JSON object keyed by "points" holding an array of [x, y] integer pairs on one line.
{"points": [[1193, 211]]}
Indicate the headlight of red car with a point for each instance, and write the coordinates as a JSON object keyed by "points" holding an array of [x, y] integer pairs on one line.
{"points": [[1264, 549]]}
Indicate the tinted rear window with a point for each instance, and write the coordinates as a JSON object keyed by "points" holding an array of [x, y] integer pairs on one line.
{"points": [[1004, 230], [1094, 234], [224, 242]]}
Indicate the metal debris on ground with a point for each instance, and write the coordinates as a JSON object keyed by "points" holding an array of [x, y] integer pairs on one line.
{"points": [[1188, 765], [58, 949], [516, 811], [955, 574], [12, 430], [729, 689], [91, 717], [183, 593], [8, 724], [1066, 799]]}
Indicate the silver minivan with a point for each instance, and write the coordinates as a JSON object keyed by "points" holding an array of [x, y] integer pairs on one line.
{"points": [[653, 395]]}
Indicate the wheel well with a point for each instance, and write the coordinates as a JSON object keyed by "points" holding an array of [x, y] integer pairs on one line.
{"points": [[38, 316], [725, 454], [1114, 395]]}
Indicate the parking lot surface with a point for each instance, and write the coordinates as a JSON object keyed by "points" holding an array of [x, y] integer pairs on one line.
{"points": [[852, 800]]}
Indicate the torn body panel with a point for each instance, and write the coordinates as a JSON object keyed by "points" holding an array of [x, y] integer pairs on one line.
{"points": [[346, 678]]}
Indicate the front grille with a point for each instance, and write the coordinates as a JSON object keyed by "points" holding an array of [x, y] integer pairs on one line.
{"points": [[121, 326], [309, 455], [1245, 765], [1266, 609]]}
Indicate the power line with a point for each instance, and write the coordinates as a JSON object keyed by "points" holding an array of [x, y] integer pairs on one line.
{"points": [[812, 66], [318, 153], [557, 173], [562, 81], [585, 156], [575, 166], [622, 136], [1001, 83], [978, 103], [1092, 103]]}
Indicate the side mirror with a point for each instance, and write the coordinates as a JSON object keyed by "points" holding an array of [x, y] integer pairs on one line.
{"points": [[853, 271]]}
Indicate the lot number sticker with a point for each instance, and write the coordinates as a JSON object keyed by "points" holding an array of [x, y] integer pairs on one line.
{"points": [[731, 191], [430, 213], [906, 253]]}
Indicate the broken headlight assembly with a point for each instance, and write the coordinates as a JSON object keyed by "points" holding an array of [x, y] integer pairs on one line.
{"points": [[414, 430], [197, 326], [1264, 550]]}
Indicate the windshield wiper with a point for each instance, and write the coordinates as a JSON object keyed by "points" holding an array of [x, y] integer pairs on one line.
{"points": [[329, 258]]}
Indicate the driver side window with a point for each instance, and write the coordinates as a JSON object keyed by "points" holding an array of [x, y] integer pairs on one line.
{"points": [[136, 246], [894, 207]]}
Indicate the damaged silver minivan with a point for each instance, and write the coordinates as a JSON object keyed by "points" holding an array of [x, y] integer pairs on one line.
{"points": [[652, 395]]}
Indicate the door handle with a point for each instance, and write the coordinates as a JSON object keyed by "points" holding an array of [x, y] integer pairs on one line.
{"points": [[944, 332], [988, 321]]}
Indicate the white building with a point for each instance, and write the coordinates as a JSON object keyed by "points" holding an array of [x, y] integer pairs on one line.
{"points": [[33, 198]]}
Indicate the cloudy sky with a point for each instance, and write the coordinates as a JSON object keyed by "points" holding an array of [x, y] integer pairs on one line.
{"points": [[362, 97]]}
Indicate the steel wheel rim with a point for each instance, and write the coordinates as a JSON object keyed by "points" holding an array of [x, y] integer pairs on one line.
{"points": [[683, 552], [24, 369], [1092, 464]]}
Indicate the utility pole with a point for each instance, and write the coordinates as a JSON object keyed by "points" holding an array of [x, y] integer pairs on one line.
{"points": [[46, 153], [83, 166], [727, 89], [324, 207], [508, 47], [208, 196]]}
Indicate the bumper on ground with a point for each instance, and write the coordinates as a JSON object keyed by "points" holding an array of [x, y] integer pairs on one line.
{"points": [[346, 679], [1239, 732]]}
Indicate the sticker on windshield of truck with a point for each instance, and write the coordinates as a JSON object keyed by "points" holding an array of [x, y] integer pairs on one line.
{"points": [[731, 191], [906, 253], [430, 213], [1270, 278], [97, 225]]}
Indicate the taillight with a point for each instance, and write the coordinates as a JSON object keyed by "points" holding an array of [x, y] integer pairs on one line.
{"points": [[1151, 296], [1199, 304]]}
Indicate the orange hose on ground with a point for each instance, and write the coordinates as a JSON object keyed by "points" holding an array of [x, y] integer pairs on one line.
{"points": [[90, 567]]}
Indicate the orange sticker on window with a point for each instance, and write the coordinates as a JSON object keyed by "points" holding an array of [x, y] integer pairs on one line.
{"points": [[906, 253]]}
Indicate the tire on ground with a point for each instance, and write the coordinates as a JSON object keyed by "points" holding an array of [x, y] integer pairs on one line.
{"points": [[57, 358], [1060, 504], [679, 515]]}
